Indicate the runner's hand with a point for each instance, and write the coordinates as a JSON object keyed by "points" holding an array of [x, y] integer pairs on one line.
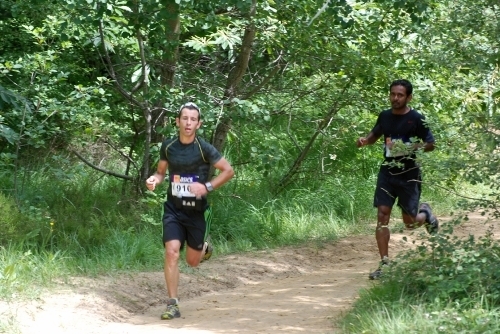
{"points": [[361, 142], [198, 189], [151, 183]]}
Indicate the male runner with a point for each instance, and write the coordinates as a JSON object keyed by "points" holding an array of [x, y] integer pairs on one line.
{"points": [[405, 131], [188, 160]]}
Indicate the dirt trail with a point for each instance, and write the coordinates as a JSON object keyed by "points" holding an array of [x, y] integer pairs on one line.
{"points": [[289, 290]]}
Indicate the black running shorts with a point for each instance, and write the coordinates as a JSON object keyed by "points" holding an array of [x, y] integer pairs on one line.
{"points": [[390, 187], [183, 225]]}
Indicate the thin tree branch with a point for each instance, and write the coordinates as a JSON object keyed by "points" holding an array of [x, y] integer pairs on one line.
{"points": [[493, 203], [266, 80], [105, 171], [290, 133], [121, 153], [112, 72], [144, 78], [321, 126]]}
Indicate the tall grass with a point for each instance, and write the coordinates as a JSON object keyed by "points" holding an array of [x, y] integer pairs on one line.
{"points": [[23, 272], [87, 223], [123, 250], [252, 217]]}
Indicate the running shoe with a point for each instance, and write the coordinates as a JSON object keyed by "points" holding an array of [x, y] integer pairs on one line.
{"points": [[431, 222], [378, 273], [172, 310], [208, 249]]}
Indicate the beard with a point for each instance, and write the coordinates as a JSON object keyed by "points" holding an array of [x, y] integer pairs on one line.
{"points": [[397, 105]]}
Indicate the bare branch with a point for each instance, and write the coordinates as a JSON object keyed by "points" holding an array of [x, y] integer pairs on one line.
{"points": [[105, 171], [289, 132], [121, 153], [287, 178], [144, 78], [264, 82]]}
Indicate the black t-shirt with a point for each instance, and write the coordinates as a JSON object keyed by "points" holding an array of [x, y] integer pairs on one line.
{"points": [[188, 162], [403, 131]]}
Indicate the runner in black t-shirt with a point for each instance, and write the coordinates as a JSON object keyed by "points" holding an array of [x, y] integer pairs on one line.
{"points": [[188, 160], [404, 131]]}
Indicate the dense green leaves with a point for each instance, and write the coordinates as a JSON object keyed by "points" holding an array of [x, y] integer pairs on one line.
{"points": [[93, 72]]}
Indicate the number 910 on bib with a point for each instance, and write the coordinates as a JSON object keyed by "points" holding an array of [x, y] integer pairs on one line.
{"points": [[181, 184]]}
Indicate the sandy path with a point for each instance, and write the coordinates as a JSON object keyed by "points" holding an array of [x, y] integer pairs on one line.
{"points": [[298, 304], [290, 290], [305, 301]]}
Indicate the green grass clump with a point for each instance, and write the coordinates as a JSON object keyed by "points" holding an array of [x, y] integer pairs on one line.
{"points": [[257, 218], [414, 316], [123, 251], [24, 273]]}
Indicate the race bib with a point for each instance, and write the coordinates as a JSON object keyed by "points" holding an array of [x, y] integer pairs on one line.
{"points": [[396, 147], [181, 185]]}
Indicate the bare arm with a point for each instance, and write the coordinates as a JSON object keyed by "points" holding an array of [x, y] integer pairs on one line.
{"points": [[426, 147], [226, 173], [368, 140], [157, 177]]}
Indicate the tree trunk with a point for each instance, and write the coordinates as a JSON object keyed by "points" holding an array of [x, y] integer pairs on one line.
{"points": [[169, 63], [233, 81], [171, 51]]}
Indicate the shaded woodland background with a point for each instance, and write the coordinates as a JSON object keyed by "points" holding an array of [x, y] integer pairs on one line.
{"points": [[89, 88]]}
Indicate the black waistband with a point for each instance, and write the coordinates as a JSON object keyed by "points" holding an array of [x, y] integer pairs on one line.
{"points": [[188, 203]]}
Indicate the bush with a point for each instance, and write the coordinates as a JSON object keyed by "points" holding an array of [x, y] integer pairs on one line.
{"points": [[454, 269]]}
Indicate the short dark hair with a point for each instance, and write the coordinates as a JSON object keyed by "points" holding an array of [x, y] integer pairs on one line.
{"points": [[192, 106], [405, 83]]}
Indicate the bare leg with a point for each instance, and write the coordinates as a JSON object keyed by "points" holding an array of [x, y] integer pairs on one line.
{"points": [[382, 232], [193, 256], [413, 222], [171, 268]]}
